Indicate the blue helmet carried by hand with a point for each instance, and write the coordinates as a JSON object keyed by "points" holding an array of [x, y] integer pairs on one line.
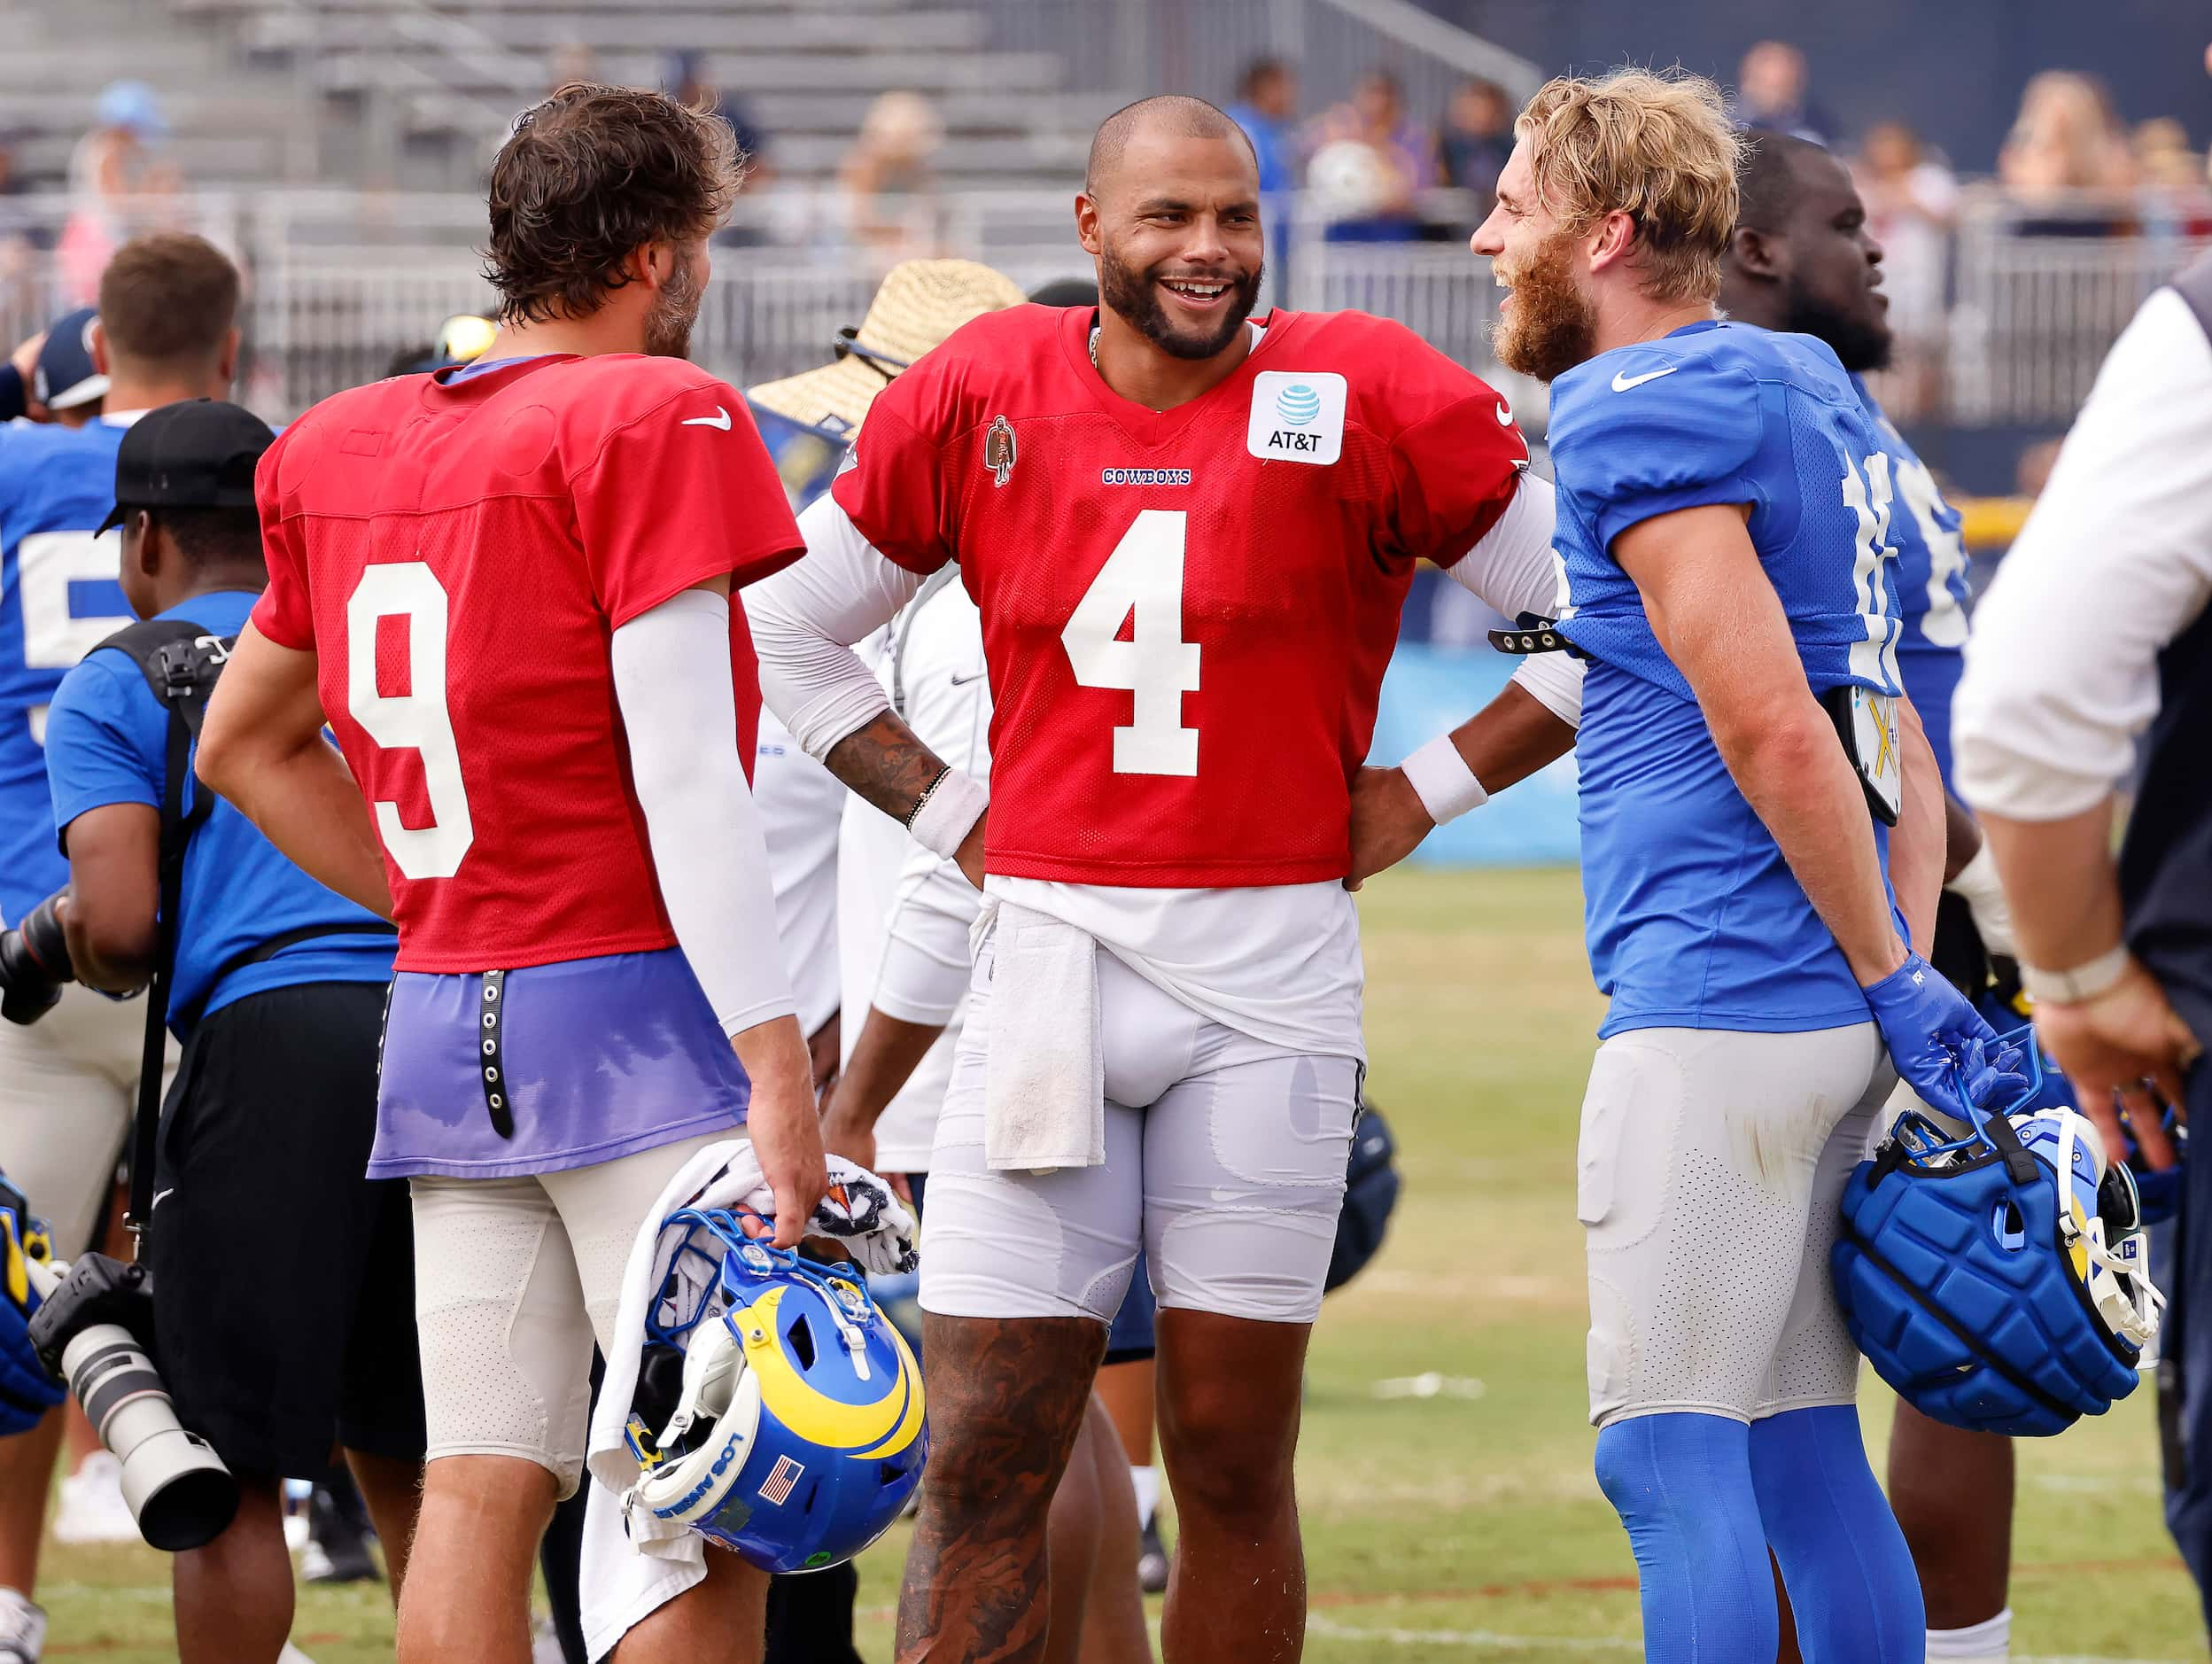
{"points": [[2159, 1193], [796, 1434], [1998, 1281]]}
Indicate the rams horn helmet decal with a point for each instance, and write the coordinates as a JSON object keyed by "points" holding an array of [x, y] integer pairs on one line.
{"points": [[790, 1411]]}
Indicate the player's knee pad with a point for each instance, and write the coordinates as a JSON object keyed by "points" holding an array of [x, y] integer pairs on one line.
{"points": [[1681, 1484], [1852, 1582]]}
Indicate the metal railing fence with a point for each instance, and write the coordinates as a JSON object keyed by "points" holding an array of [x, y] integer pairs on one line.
{"points": [[336, 282]]}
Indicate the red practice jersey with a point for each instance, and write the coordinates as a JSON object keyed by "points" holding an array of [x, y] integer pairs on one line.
{"points": [[1187, 614], [459, 555]]}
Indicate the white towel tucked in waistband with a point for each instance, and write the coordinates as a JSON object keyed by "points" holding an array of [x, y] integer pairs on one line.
{"points": [[1045, 1088]]}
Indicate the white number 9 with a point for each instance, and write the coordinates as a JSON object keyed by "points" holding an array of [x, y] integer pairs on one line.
{"points": [[417, 720]]}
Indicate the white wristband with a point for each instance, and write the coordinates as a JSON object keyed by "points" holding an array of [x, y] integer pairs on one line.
{"points": [[948, 812], [2081, 983], [1441, 778]]}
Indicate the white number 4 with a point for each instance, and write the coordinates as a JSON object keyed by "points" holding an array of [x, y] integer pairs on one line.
{"points": [[1141, 583], [416, 721]]}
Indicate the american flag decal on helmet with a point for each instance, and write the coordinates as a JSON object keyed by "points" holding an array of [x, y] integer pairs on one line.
{"points": [[777, 1487], [999, 450]]}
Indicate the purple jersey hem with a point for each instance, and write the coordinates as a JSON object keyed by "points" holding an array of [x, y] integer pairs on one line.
{"points": [[555, 1162]]}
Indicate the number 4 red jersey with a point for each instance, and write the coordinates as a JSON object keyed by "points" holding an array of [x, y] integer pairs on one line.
{"points": [[459, 553], [1186, 614]]}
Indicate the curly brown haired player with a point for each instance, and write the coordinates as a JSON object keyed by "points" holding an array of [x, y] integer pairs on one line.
{"points": [[509, 588]]}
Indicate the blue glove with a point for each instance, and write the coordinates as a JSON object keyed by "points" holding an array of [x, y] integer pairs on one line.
{"points": [[1939, 1042], [26, 1391]]}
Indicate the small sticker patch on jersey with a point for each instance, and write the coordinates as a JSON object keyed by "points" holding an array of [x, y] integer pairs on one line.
{"points": [[1297, 416], [999, 450], [1144, 476]]}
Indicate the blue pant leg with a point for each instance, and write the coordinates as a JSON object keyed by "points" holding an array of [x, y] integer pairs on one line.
{"points": [[1681, 1484], [1853, 1587], [2185, 1374]]}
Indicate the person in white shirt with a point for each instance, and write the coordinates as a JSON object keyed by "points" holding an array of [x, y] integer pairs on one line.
{"points": [[2095, 632]]}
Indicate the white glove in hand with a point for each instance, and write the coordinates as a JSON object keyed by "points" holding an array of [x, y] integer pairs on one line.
{"points": [[1984, 897]]}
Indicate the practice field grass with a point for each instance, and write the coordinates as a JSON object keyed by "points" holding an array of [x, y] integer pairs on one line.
{"points": [[1445, 1474]]}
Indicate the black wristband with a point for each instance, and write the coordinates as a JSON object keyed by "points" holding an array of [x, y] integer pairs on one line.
{"points": [[13, 392]]}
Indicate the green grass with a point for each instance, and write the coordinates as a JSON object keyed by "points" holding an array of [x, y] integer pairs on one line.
{"points": [[1452, 1528]]}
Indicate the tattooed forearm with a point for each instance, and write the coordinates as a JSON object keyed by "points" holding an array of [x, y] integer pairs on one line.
{"points": [[885, 765], [1005, 1400]]}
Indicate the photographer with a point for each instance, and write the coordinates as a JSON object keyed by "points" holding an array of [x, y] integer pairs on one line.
{"points": [[166, 331], [283, 1287]]}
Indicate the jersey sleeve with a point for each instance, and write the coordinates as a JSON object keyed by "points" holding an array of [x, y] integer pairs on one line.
{"points": [[282, 614], [678, 494], [1649, 437], [1456, 471], [894, 483], [95, 744]]}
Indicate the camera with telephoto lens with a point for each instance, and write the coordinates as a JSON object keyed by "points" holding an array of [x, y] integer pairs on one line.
{"points": [[94, 1329], [34, 964]]}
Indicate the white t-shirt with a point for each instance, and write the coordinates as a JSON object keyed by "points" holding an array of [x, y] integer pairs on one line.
{"points": [[904, 913], [799, 802], [2061, 669]]}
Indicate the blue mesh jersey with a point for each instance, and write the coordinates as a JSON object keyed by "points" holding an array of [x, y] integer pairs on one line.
{"points": [[1693, 919], [1931, 578], [59, 600]]}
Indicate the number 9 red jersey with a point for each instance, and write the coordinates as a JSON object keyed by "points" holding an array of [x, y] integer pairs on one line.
{"points": [[459, 554], [1186, 614]]}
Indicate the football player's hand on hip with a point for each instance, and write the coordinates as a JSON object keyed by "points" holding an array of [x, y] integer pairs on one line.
{"points": [[969, 857], [784, 1123], [2125, 1049], [1939, 1042], [1388, 822]]}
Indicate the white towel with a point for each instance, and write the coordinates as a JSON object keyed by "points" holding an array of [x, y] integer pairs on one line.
{"points": [[1044, 1080], [627, 1575]]}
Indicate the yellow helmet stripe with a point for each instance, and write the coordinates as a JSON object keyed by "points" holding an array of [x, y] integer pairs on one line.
{"points": [[909, 1427], [810, 1414]]}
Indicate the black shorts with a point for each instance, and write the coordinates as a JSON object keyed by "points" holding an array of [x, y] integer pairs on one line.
{"points": [[284, 1281]]}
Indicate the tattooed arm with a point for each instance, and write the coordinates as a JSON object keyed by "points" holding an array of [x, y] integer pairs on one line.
{"points": [[804, 619]]}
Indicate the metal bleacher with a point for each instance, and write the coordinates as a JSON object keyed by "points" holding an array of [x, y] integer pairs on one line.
{"points": [[414, 94]]}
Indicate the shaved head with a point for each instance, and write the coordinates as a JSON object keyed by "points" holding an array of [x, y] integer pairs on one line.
{"points": [[1170, 115]]}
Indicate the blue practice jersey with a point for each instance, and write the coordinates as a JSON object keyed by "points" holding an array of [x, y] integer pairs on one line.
{"points": [[1695, 921], [59, 600], [1931, 578], [108, 742]]}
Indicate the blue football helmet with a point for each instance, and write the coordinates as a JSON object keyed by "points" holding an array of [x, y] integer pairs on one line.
{"points": [[1998, 1281], [796, 1434], [2159, 1193]]}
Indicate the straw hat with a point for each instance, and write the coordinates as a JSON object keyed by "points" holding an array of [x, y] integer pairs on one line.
{"points": [[921, 302]]}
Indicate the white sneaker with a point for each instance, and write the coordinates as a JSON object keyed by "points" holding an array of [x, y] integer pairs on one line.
{"points": [[22, 1627], [93, 1505]]}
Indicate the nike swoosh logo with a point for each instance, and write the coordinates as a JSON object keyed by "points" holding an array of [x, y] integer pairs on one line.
{"points": [[1505, 414], [1622, 383], [719, 419], [158, 1195], [962, 681]]}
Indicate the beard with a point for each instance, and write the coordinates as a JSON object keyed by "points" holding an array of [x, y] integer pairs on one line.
{"points": [[667, 325], [1860, 342], [1133, 296], [1552, 328]]}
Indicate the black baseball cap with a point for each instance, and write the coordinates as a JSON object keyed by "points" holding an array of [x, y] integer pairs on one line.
{"points": [[197, 454]]}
